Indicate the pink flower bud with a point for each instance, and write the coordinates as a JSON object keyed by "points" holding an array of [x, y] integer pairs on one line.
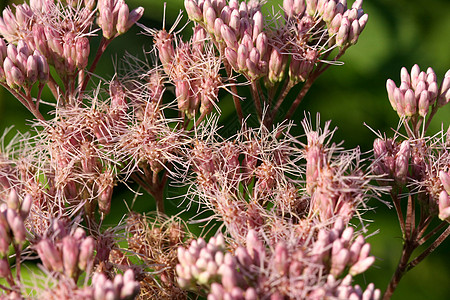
{"points": [[235, 21], [82, 52], [106, 19], [229, 278], [281, 258], [40, 39], [254, 55], [70, 253], [362, 22], [379, 148], [402, 162], [32, 69], [404, 75], [243, 9], [229, 36], [217, 290], [339, 262], [218, 23], [354, 32], [329, 11], [420, 87], [86, 255], [11, 51], [22, 47], [342, 35], [182, 91], [335, 24], [134, 16], [258, 23], [424, 104], [193, 11], [13, 200], [276, 66], [445, 86], [50, 256], [445, 180], [253, 70], [361, 266], [43, 68], [225, 14], [231, 57], [122, 18], [410, 103], [415, 70], [355, 249], [400, 103], [16, 77], [3, 47], [311, 6], [433, 91], [262, 44], [209, 16], [444, 206]]}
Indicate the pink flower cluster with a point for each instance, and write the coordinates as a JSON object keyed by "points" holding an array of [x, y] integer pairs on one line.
{"points": [[252, 271], [417, 92]]}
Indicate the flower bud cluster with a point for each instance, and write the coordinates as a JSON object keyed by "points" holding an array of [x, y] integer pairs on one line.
{"points": [[392, 159], [249, 272], [337, 249], [200, 263], [343, 25], [210, 265], [122, 287], [12, 229], [59, 31], [115, 18], [238, 28], [342, 289], [12, 216], [12, 25], [69, 254], [417, 92], [20, 66], [59, 37]]}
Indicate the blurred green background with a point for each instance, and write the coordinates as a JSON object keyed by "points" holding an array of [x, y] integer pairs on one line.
{"points": [[399, 33]]}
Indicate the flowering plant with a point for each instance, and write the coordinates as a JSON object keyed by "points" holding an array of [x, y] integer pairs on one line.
{"points": [[283, 214]]}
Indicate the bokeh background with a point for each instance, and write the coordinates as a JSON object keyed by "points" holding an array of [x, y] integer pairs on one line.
{"points": [[399, 33]]}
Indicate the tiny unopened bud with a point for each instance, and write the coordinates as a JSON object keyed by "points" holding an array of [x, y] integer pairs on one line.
{"points": [[15, 222], [193, 11], [122, 18], [231, 57], [82, 52], [410, 103], [134, 16], [445, 180], [343, 32], [444, 206], [424, 104], [43, 68], [86, 256], [13, 200], [70, 253], [50, 256], [229, 36]]}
